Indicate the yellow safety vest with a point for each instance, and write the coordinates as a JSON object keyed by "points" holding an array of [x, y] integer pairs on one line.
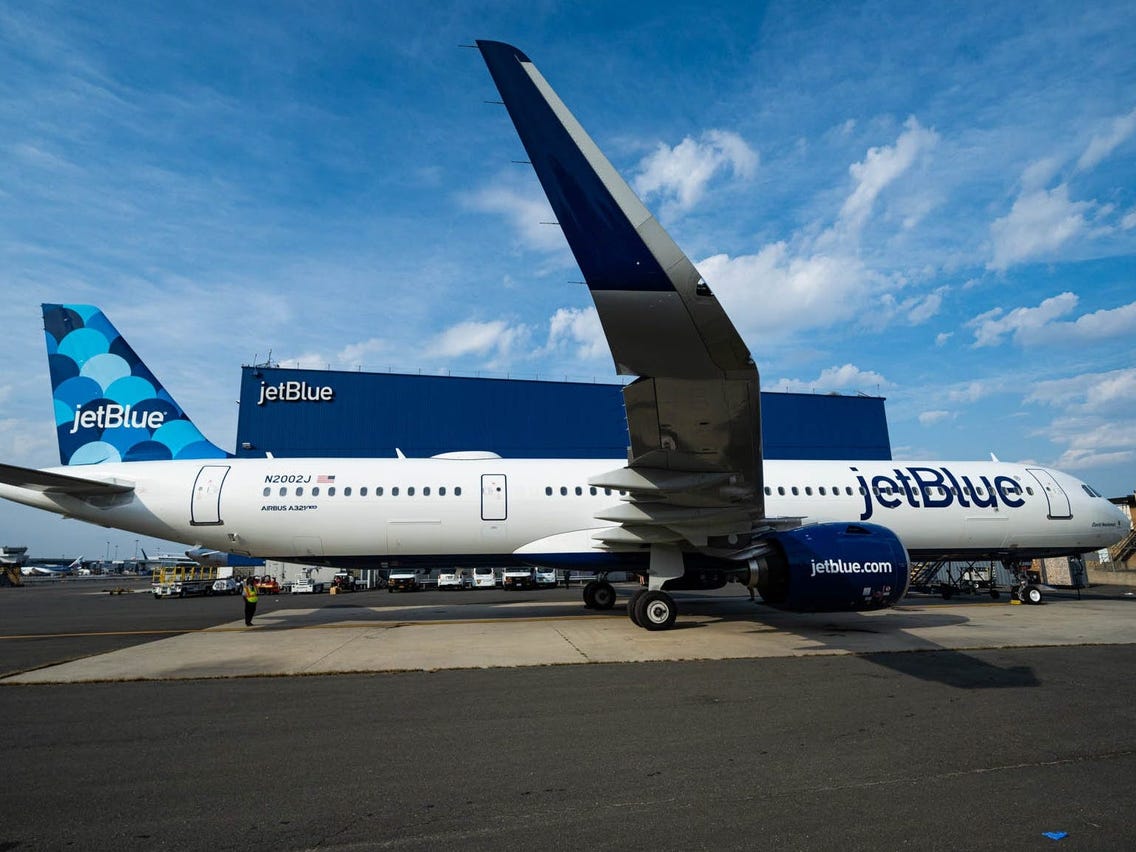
{"points": [[250, 594]]}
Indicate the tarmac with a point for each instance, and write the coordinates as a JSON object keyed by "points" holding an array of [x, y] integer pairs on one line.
{"points": [[348, 638]]}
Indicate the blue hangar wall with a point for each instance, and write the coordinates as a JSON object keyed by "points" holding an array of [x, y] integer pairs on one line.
{"points": [[305, 413]]}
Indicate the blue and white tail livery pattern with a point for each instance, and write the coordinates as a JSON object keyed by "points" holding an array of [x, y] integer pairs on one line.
{"points": [[108, 405]]}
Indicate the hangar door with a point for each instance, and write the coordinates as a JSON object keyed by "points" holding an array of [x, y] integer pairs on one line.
{"points": [[494, 498]]}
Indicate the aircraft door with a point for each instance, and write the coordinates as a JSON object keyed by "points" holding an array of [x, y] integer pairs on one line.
{"points": [[205, 504], [494, 497], [1058, 500]]}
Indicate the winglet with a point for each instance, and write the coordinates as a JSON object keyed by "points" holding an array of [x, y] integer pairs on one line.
{"points": [[695, 406]]}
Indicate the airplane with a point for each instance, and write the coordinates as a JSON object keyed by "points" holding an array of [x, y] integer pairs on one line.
{"points": [[53, 569], [693, 506]]}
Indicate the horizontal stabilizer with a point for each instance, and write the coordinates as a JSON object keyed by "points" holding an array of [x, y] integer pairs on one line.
{"points": [[57, 483]]}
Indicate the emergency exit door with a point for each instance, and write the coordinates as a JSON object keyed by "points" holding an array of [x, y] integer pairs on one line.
{"points": [[494, 498], [205, 505]]}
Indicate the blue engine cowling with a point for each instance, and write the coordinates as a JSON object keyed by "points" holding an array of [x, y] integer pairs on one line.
{"points": [[833, 568]]}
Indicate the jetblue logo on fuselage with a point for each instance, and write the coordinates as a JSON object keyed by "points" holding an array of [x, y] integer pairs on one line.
{"points": [[936, 488], [295, 392], [113, 415]]}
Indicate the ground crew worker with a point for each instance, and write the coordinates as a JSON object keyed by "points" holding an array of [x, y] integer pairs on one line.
{"points": [[251, 597]]}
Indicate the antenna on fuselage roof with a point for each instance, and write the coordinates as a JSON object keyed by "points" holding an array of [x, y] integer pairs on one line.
{"points": [[993, 457]]}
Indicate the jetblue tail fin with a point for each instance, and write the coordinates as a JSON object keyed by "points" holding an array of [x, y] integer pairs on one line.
{"points": [[108, 405]]}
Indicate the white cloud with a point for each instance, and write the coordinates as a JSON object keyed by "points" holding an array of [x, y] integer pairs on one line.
{"points": [[578, 329], [495, 338], [942, 337], [1114, 391], [527, 210], [1101, 145], [1038, 326], [881, 167], [846, 378], [679, 175], [927, 418], [971, 392], [991, 326], [1129, 221], [1040, 222], [357, 354], [774, 293]]}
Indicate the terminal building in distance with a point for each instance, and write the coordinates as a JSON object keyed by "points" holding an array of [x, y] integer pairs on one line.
{"points": [[304, 413]]}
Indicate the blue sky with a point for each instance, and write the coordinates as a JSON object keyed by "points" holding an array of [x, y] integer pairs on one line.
{"points": [[931, 202]]}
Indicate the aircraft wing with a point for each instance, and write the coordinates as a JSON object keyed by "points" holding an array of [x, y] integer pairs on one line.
{"points": [[693, 413], [58, 483]]}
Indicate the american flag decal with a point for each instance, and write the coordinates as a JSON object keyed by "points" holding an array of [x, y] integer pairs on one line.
{"points": [[322, 478]]}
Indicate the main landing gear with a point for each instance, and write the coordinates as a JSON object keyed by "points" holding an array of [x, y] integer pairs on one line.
{"points": [[599, 594], [652, 609]]}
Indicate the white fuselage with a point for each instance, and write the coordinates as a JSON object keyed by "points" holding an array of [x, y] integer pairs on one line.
{"points": [[479, 511]]}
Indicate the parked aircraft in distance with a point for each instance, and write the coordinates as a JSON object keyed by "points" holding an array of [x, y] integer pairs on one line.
{"points": [[34, 568], [694, 505]]}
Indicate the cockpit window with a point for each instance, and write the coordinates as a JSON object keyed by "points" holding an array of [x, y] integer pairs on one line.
{"points": [[1092, 492]]}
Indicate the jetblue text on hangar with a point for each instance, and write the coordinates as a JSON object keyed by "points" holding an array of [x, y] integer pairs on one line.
{"points": [[294, 391]]}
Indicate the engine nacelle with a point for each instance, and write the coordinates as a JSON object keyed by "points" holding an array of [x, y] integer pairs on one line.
{"points": [[832, 568]]}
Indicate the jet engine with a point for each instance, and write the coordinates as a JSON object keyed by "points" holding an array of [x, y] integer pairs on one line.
{"points": [[832, 568]]}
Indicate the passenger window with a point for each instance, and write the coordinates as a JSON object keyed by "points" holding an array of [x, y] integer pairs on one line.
{"points": [[283, 492], [363, 491], [781, 490], [579, 491], [821, 489], [768, 491], [848, 488], [426, 491], [394, 491], [809, 490], [442, 491], [548, 491], [1029, 490], [607, 492], [331, 491], [300, 491], [378, 491], [593, 490], [410, 491], [315, 491], [267, 491], [563, 491], [347, 491], [458, 491]]}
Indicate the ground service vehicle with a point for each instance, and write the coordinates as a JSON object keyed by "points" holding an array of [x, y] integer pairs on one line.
{"points": [[182, 581], [545, 578], [307, 585], [484, 578], [345, 582], [403, 580], [266, 585], [226, 586], [517, 577]]}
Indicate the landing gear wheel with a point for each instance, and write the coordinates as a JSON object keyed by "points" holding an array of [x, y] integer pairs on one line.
{"points": [[1032, 595], [995, 594], [655, 611], [631, 604], [599, 594]]}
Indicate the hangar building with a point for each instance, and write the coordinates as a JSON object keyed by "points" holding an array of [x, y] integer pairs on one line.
{"points": [[309, 413]]}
